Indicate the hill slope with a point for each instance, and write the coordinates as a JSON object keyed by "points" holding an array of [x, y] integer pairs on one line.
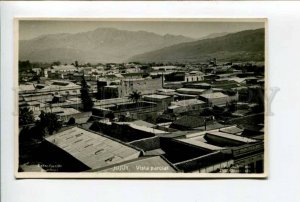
{"points": [[100, 45], [241, 46]]}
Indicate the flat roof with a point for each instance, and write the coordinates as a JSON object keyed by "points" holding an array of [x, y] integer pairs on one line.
{"points": [[142, 128], [232, 130], [186, 95], [190, 90], [165, 67], [231, 137], [165, 90], [187, 102], [25, 87], [92, 149], [198, 143], [214, 95], [156, 96], [143, 123], [69, 111]]}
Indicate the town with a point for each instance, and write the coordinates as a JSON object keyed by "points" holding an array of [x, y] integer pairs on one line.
{"points": [[141, 117]]}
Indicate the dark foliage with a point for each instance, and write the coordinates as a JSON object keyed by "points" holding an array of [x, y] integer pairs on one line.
{"points": [[25, 116], [71, 121], [86, 99], [48, 123], [110, 116], [135, 96]]}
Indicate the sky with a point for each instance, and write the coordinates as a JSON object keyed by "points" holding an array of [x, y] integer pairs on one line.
{"points": [[29, 29]]}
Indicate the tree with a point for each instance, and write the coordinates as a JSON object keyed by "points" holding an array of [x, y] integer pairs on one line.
{"points": [[135, 96], [24, 65], [48, 123], [71, 121], [86, 99], [55, 99], [76, 63], [56, 63], [232, 106], [25, 116], [110, 116]]}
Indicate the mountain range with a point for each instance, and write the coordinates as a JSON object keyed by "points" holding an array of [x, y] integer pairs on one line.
{"points": [[114, 45], [240, 46], [100, 45]]}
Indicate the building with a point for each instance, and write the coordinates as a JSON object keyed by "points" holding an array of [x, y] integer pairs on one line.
{"points": [[175, 76], [127, 131], [93, 150], [39, 96], [242, 154], [193, 91], [169, 92], [218, 98], [145, 86], [182, 106], [194, 76], [188, 122], [162, 101], [126, 86]]}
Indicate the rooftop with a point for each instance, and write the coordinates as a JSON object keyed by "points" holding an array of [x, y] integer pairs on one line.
{"points": [[165, 90], [190, 90], [63, 111], [214, 95], [165, 67], [188, 122], [188, 102], [144, 128], [26, 87], [92, 149], [198, 143], [232, 137], [232, 130], [64, 67], [156, 96]]}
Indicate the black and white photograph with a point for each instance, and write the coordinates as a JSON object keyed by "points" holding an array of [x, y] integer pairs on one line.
{"points": [[139, 98]]}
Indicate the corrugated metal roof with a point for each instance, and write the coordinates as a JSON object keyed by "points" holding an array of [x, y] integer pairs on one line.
{"points": [[92, 149]]}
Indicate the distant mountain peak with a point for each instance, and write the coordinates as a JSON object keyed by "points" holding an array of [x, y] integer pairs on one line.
{"points": [[104, 44], [240, 46]]}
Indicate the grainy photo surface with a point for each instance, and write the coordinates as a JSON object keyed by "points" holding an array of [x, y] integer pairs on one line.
{"points": [[140, 98]]}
